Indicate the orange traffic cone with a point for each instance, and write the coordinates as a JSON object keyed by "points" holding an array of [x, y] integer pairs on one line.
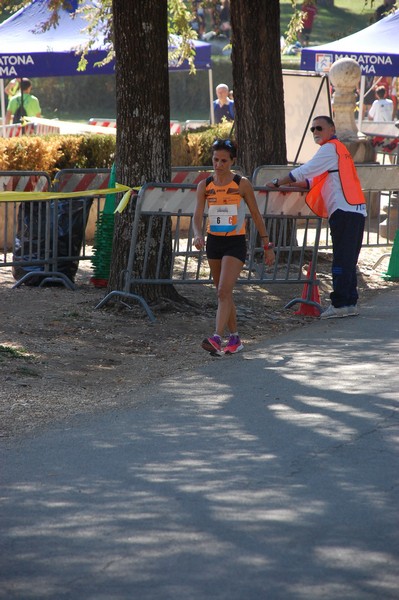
{"points": [[307, 310]]}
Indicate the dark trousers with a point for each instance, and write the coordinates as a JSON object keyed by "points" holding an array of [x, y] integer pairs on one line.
{"points": [[347, 236]]}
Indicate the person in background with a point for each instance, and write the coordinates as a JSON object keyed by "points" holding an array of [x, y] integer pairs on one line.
{"points": [[30, 103], [335, 193], [390, 85], [309, 10], [223, 107], [225, 26], [227, 196], [198, 22], [384, 9], [382, 108]]}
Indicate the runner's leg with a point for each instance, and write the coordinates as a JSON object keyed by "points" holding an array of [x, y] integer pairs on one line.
{"points": [[225, 276]]}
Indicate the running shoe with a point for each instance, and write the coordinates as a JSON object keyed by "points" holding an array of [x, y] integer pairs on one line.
{"points": [[213, 345], [333, 312], [233, 345]]}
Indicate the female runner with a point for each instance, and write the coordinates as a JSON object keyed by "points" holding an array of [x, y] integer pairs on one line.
{"points": [[227, 196]]}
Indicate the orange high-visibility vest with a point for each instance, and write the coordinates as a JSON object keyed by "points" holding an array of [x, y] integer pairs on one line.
{"points": [[350, 183]]}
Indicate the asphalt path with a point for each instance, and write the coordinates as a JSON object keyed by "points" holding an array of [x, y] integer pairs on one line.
{"points": [[268, 475]]}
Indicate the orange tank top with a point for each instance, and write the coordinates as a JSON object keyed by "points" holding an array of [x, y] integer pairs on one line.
{"points": [[226, 208]]}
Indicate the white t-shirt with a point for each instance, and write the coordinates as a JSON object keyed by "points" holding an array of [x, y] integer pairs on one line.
{"points": [[381, 110]]}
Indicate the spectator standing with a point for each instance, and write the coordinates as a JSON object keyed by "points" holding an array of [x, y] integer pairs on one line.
{"points": [[309, 10], [335, 193], [223, 107], [30, 103]]}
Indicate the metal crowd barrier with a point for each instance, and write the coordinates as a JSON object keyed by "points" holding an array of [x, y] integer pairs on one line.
{"points": [[36, 241], [43, 241], [295, 234], [17, 247]]}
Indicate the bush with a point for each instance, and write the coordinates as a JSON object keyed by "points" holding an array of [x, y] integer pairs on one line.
{"points": [[52, 153], [55, 152], [193, 148], [27, 154]]}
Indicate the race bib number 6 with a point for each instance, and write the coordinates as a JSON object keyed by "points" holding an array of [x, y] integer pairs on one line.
{"points": [[222, 218]]}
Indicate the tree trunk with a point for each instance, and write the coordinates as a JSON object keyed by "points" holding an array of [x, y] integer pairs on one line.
{"points": [[258, 83], [143, 132], [258, 86]]}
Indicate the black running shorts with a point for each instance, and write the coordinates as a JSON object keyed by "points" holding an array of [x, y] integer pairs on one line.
{"points": [[218, 246]]}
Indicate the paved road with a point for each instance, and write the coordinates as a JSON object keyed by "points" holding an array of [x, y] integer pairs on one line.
{"points": [[270, 475]]}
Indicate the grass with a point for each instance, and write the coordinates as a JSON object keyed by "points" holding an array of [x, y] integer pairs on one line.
{"points": [[330, 24], [11, 352]]}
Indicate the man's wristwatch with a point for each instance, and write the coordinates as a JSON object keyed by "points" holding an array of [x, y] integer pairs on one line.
{"points": [[275, 182]]}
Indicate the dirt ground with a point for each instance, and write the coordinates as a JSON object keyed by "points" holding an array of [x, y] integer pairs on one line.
{"points": [[60, 357]]}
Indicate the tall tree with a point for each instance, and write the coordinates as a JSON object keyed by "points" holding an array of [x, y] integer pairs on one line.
{"points": [[143, 131], [142, 101], [258, 83]]}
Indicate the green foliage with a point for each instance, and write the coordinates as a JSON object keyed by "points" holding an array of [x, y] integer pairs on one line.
{"points": [[55, 152], [193, 148], [332, 23], [98, 150], [11, 352], [179, 24], [94, 151], [26, 153], [294, 24]]}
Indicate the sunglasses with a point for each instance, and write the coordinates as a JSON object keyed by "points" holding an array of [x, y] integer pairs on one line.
{"points": [[317, 128], [223, 144]]}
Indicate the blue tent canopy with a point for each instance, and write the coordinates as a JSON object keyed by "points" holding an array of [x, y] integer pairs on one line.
{"points": [[375, 48], [26, 51]]}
